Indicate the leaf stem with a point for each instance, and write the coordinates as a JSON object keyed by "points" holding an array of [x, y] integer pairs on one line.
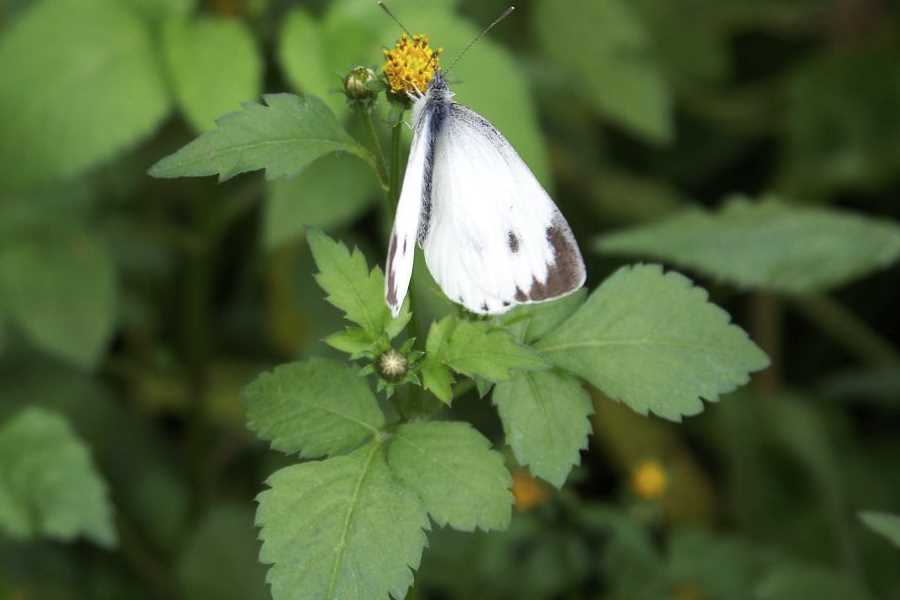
{"points": [[380, 161], [765, 315]]}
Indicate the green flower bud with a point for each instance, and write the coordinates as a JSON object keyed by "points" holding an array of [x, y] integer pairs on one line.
{"points": [[392, 366], [358, 85]]}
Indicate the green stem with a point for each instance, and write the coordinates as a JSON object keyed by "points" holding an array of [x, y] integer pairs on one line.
{"points": [[380, 162], [848, 329], [765, 312]]}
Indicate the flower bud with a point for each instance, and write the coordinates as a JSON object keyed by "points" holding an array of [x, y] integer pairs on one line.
{"points": [[357, 85], [392, 365]]}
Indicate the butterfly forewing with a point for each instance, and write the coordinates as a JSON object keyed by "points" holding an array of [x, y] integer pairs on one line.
{"points": [[495, 238], [402, 245], [492, 236]]}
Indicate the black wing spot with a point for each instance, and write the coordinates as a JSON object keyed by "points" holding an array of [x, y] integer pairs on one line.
{"points": [[484, 306], [513, 242], [506, 303], [405, 239]]}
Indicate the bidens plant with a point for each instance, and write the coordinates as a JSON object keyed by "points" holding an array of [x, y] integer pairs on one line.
{"points": [[351, 520]]}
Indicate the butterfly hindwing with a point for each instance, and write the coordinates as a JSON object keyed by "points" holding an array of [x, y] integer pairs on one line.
{"points": [[494, 237]]}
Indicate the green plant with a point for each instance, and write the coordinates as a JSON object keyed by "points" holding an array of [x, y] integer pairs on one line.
{"points": [[352, 523]]}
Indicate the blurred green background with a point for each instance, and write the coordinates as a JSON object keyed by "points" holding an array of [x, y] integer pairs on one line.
{"points": [[132, 310]]}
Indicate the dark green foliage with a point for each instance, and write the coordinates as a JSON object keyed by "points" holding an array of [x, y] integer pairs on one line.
{"points": [[203, 394]]}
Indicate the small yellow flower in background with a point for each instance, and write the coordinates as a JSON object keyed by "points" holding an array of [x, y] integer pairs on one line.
{"points": [[649, 480], [411, 64], [688, 591], [528, 491]]}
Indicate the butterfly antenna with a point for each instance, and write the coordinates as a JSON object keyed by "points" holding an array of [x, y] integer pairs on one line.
{"points": [[395, 19], [478, 37]]}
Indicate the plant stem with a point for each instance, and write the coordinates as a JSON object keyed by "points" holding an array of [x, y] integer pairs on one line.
{"points": [[848, 329], [380, 162], [765, 316]]}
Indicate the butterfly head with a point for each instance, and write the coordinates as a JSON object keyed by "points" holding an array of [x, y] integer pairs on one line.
{"points": [[438, 83]]}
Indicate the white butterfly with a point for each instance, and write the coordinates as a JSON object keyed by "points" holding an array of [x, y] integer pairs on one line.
{"points": [[492, 236]]}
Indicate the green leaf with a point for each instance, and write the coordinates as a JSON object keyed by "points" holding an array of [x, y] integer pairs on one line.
{"points": [[838, 116], [531, 322], [478, 348], [343, 528], [794, 581], [612, 65], [352, 340], [49, 485], [884, 524], [335, 190], [283, 137], [80, 83], [461, 481], [437, 379], [545, 419], [220, 558], [61, 292], [352, 288], [303, 56], [214, 66], [654, 342], [767, 245], [317, 407]]}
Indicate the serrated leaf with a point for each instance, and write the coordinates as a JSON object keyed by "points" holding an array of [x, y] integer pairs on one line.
{"points": [[352, 340], [653, 341], [545, 420], [437, 379], [61, 292], [214, 66], [335, 190], [282, 136], [80, 83], [49, 485], [352, 288], [613, 65], [767, 245], [478, 348], [461, 481], [343, 528], [317, 407], [531, 322], [884, 524]]}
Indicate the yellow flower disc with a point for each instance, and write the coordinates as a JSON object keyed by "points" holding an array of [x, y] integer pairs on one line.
{"points": [[411, 64], [649, 480]]}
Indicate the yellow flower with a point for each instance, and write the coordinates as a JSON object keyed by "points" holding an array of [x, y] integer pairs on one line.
{"points": [[528, 491], [411, 64], [649, 480]]}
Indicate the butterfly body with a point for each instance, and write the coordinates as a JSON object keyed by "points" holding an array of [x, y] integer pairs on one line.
{"points": [[491, 235]]}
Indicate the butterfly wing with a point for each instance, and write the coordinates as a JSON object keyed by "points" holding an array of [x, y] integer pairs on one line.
{"points": [[402, 245], [494, 238]]}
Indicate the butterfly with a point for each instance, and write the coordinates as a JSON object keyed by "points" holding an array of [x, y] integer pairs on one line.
{"points": [[492, 237]]}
